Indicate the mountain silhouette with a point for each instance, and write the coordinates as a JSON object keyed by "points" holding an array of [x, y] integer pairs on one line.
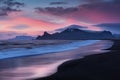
{"points": [[76, 34]]}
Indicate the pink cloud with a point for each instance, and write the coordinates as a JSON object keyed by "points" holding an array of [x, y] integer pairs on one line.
{"points": [[33, 25], [93, 12]]}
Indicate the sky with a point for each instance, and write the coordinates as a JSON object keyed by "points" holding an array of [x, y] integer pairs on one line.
{"points": [[33, 17]]}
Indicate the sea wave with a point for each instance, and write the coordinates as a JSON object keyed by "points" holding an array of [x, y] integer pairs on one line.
{"points": [[18, 52]]}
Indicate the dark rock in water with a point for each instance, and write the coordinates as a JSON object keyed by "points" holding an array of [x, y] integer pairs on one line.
{"points": [[76, 34]]}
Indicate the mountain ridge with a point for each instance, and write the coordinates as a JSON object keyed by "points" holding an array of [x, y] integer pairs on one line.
{"points": [[76, 34]]}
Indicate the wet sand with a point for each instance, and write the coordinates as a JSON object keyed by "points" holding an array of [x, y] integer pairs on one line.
{"points": [[93, 67]]}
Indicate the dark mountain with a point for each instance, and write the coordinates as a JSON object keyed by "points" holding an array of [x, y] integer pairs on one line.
{"points": [[117, 36], [76, 34]]}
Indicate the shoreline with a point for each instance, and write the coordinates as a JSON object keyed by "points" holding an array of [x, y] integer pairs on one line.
{"points": [[92, 67], [12, 53], [5, 45]]}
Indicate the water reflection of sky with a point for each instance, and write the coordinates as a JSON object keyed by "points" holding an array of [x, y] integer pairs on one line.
{"points": [[44, 65]]}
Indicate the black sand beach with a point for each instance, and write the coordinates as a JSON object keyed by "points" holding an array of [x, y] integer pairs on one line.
{"points": [[94, 67]]}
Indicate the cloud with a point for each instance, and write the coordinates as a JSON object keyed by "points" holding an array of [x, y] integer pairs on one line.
{"points": [[20, 27], [27, 25], [7, 6], [101, 12], [93, 11], [58, 3], [113, 27], [97, 1], [71, 26], [56, 10], [117, 1]]}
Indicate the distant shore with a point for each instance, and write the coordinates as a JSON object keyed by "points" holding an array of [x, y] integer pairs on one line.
{"points": [[94, 67]]}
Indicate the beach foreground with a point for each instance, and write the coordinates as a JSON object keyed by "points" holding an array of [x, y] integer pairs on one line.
{"points": [[93, 67], [29, 64]]}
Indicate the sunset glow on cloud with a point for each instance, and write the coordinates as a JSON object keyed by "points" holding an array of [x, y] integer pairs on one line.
{"points": [[32, 17]]}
